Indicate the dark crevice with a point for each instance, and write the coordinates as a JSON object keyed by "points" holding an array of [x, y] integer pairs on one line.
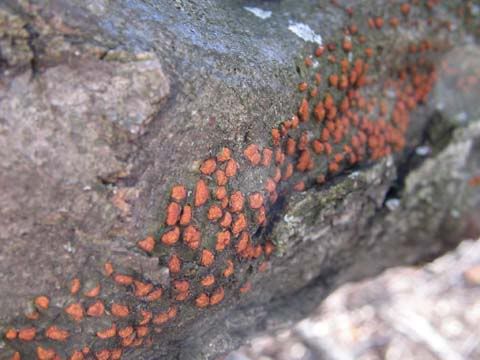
{"points": [[32, 44], [437, 135]]}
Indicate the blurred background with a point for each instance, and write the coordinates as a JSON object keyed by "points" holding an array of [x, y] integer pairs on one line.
{"points": [[425, 313]]}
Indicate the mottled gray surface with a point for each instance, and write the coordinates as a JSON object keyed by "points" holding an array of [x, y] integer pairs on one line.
{"points": [[104, 104]]}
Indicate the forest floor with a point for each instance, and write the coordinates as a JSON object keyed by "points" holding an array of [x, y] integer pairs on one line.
{"points": [[427, 313]]}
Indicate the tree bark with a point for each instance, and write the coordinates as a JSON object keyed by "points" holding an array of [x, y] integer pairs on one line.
{"points": [[106, 106]]}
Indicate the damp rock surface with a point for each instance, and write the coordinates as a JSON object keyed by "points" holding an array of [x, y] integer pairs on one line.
{"points": [[179, 175]]}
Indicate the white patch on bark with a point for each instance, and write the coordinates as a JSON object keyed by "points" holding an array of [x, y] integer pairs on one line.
{"points": [[262, 14], [304, 32]]}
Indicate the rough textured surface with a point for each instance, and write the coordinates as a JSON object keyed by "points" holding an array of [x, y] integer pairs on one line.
{"points": [[428, 312], [105, 106]]}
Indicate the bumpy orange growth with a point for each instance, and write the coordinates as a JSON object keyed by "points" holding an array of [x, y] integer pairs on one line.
{"points": [[171, 237], [252, 154], [223, 239], [208, 167], [97, 309], [75, 311], [75, 286], [141, 288], [208, 280], [217, 296], [94, 291], [147, 244], [186, 215], [202, 301], [207, 258], [173, 213], [11, 334], [224, 154], [108, 268], [236, 201], [42, 302], [107, 333], [55, 333], [122, 279], [191, 237], [178, 193], [174, 264], [214, 212], [229, 270], [120, 310], [27, 334], [202, 193], [45, 354]]}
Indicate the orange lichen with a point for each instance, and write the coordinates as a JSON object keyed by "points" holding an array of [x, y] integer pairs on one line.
{"points": [[229, 270], [75, 311], [207, 258], [239, 224], [108, 269], [97, 309], [119, 310], [224, 154], [186, 216], [208, 167], [122, 279], [171, 237], [214, 213], [27, 334], [116, 354], [474, 181], [103, 354], [246, 287], [236, 201], [42, 302], [208, 280], [231, 168], [154, 295], [142, 331], [45, 354], [267, 157], [11, 334], [405, 8], [146, 317], [174, 264], [256, 200], [147, 244], [223, 239], [141, 288], [93, 291], [252, 154], [202, 301], [221, 177], [75, 286], [55, 333], [217, 296], [173, 213], [191, 237], [227, 220], [125, 332], [303, 110], [77, 355], [178, 193], [303, 86], [202, 193]]}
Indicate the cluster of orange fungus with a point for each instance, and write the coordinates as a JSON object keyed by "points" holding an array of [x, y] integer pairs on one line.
{"points": [[208, 235]]}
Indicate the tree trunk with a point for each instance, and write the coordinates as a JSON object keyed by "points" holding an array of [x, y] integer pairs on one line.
{"points": [[178, 175]]}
